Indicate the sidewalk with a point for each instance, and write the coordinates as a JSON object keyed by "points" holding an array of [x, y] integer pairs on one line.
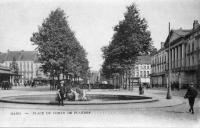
{"points": [[180, 93]]}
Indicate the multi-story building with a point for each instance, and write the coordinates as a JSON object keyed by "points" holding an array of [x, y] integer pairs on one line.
{"points": [[142, 69], [184, 63], [27, 61], [158, 68], [140, 72], [185, 56]]}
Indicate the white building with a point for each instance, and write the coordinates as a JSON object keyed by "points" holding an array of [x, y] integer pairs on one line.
{"points": [[142, 69], [27, 61]]}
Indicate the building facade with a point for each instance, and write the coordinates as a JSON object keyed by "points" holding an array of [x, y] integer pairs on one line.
{"points": [[139, 73], [142, 69], [27, 61], [182, 47], [159, 68], [185, 57]]}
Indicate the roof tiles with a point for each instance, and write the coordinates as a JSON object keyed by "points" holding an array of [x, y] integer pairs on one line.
{"points": [[19, 56]]}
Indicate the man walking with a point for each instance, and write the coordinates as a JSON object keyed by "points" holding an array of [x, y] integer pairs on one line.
{"points": [[191, 94], [61, 92]]}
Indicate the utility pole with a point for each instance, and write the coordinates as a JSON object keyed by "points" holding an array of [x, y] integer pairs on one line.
{"points": [[169, 95]]}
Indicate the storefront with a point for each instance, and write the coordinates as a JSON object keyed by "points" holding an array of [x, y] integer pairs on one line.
{"points": [[6, 77]]}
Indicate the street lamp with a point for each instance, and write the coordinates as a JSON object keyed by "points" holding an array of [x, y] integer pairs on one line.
{"points": [[169, 96]]}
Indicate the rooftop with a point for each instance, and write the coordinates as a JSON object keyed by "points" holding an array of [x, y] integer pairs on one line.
{"points": [[19, 56], [176, 34], [182, 32]]}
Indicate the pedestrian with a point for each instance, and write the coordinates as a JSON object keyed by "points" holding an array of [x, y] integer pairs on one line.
{"points": [[61, 93], [33, 83], [191, 94], [141, 89], [25, 83], [58, 96]]}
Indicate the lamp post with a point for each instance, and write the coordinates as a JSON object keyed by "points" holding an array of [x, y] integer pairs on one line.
{"points": [[88, 79], [169, 96]]}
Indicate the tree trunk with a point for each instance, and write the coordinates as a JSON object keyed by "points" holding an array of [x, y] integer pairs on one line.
{"points": [[126, 80], [58, 76], [113, 81], [129, 81], [122, 83], [123, 80], [117, 82], [53, 83]]}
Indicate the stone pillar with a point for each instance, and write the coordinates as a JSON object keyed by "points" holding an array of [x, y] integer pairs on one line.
{"points": [[181, 48], [172, 56], [183, 55], [167, 61], [170, 59], [180, 81], [179, 56], [175, 57], [195, 53], [191, 55], [12, 80], [186, 58]]}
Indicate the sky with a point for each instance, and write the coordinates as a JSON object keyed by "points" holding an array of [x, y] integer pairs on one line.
{"points": [[91, 20]]}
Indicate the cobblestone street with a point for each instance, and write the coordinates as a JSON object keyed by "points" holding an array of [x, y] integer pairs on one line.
{"points": [[100, 115]]}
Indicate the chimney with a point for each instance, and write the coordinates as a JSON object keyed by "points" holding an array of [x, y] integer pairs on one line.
{"points": [[195, 24]]}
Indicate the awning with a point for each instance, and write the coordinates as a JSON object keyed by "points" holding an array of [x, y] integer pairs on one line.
{"points": [[7, 72], [157, 74]]}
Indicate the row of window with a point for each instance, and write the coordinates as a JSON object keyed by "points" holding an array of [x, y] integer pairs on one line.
{"points": [[141, 74], [27, 75], [143, 67], [159, 68], [24, 66], [188, 60], [158, 59]]}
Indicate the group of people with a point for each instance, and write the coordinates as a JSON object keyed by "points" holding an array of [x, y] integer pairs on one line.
{"points": [[175, 85], [30, 83], [5, 85], [66, 92]]}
